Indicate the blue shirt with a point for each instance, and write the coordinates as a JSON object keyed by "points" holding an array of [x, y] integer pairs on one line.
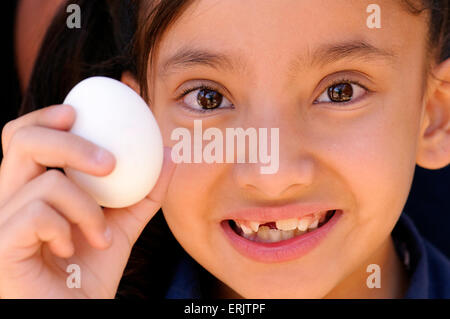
{"points": [[428, 268]]}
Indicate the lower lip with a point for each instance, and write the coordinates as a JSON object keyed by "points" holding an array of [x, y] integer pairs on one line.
{"points": [[281, 251]]}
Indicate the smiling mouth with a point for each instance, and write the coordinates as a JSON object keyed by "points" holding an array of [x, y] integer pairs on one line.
{"points": [[280, 230]]}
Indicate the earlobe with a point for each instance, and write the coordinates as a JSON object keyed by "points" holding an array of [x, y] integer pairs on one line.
{"points": [[129, 79], [434, 144]]}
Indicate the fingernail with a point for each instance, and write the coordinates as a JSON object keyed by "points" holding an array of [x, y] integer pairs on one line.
{"points": [[58, 109], [103, 156]]}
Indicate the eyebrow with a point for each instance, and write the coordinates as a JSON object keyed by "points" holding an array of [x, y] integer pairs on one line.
{"points": [[358, 49], [188, 57]]}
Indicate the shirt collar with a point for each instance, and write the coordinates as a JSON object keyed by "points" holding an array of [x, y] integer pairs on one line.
{"points": [[186, 281], [411, 249]]}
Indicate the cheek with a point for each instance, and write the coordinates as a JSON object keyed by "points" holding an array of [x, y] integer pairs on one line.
{"points": [[195, 191], [191, 203], [374, 154]]}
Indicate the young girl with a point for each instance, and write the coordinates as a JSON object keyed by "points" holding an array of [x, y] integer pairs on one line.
{"points": [[357, 105]]}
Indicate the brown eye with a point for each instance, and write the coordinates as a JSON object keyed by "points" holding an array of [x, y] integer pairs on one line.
{"points": [[341, 92], [204, 99], [209, 99]]}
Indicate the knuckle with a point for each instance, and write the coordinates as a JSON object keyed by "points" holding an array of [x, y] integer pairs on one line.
{"points": [[20, 135], [7, 130], [54, 178], [40, 214], [36, 209]]}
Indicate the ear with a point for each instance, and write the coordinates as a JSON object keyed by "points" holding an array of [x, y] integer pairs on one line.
{"points": [[434, 140], [129, 79]]}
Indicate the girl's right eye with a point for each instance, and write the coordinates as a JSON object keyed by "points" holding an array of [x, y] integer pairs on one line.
{"points": [[204, 99]]}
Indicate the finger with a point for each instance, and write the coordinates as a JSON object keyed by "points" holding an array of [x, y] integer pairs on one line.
{"points": [[35, 223], [34, 148], [159, 191], [59, 117], [144, 211], [74, 204]]}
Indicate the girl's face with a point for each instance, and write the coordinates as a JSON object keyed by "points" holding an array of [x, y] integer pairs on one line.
{"points": [[347, 100]]}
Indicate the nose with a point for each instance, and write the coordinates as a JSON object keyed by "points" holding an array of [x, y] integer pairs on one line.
{"points": [[295, 173]]}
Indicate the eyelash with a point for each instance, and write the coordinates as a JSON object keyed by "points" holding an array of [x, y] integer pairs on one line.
{"points": [[207, 87], [199, 87], [340, 81]]}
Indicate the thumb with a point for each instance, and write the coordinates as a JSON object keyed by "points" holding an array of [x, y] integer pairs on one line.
{"points": [[133, 219], [159, 191]]}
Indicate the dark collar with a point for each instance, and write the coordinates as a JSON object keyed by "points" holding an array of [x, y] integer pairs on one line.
{"points": [[428, 268]]}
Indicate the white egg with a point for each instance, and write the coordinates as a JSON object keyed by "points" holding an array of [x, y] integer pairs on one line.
{"points": [[113, 116]]}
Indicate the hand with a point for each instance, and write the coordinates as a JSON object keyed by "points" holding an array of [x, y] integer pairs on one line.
{"points": [[47, 222]]}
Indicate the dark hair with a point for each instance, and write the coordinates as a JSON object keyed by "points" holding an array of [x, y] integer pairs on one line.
{"points": [[118, 36], [439, 25]]}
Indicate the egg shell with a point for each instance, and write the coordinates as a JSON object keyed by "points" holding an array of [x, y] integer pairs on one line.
{"points": [[113, 116]]}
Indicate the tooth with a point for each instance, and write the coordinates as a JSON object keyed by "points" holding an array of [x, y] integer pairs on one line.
{"points": [[274, 235], [287, 234], [246, 230], [322, 218], [298, 232], [304, 223], [254, 226], [287, 224], [249, 236], [314, 224], [263, 233]]}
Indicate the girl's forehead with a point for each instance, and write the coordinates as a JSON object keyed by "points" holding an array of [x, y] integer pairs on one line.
{"points": [[272, 28], [234, 35]]}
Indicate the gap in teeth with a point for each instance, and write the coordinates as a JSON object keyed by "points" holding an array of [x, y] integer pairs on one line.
{"points": [[285, 228]]}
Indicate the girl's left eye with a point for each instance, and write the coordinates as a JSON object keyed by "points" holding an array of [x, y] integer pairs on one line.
{"points": [[204, 99], [342, 92]]}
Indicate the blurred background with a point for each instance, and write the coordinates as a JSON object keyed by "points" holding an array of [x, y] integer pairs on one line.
{"points": [[26, 21]]}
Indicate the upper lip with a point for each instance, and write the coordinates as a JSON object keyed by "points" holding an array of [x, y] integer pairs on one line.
{"points": [[273, 213]]}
